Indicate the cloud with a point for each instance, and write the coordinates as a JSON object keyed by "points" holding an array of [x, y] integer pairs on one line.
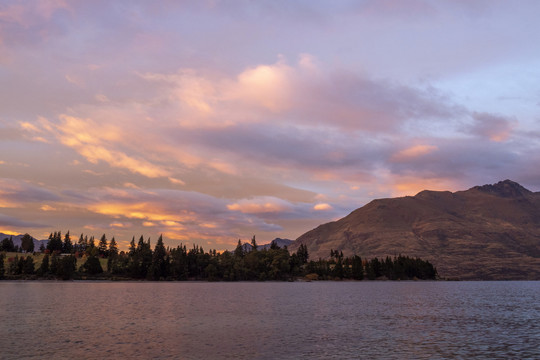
{"points": [[494, 127], [15, 193], [260, 205], [413, 152], [322, 207], [90, 140], [14, 223]]}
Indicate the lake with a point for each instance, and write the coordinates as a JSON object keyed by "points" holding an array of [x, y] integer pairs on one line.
{"points": [[271, 320]]}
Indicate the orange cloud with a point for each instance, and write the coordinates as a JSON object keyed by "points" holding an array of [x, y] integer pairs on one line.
{"points": [[414, 152], [143, 211], [260, 205], [8, 232], [267, 86], [89, 138], [322, 207]]}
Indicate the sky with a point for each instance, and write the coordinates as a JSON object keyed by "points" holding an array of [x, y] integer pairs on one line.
{"points": [[213, 121]]}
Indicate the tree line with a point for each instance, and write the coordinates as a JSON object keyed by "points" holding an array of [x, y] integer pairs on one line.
{"points": [[104, 260]]}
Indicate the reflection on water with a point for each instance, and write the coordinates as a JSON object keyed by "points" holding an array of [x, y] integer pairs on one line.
{"points": [[324, 320]]}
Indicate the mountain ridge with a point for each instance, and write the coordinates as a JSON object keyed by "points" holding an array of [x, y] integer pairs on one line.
{"points": [[487, 232]]}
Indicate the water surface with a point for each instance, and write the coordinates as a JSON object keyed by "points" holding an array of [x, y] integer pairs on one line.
{"points": [[271, 320]]}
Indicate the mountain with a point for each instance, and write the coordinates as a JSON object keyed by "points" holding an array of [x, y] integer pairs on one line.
{"points": [[489, 232], [279, 242], [17, 240]]}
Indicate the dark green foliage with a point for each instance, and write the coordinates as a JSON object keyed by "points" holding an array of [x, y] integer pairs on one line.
{"points": [[67, 246], [113, 247], [245, 263], [44, 268], [160, 262], [357, 270], [13, 267], [254, 245], [140, 260], [27, 243], [55, 242], [2, 268], [55, 264], [103, 246], [82, 244], [27, 265], [303, 255], [400, 268], [338, 271], [7, 245], [92, 265], [67, 267], [239, 251]]}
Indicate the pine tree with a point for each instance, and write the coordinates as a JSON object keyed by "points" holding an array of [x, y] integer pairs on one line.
{"points": [[159, 263], [92, 266], [67, 267], [44, 268], [357, 269], [302, 254], [2, 268], [28, 266], [54, 264], [67, 246], [253, 244], [55, 242], [113, 247], [82, 244], [239, 251], [132, 247], [102, 246], [7, 245]]}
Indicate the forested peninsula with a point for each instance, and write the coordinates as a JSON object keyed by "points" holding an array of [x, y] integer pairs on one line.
{"points": [[84, 260]]}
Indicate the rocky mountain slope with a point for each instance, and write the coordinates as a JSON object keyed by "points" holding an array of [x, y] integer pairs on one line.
{"points": [[486, 232]]}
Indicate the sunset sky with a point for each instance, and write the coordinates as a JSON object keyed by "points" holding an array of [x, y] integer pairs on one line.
{"points": [[213, 121]]}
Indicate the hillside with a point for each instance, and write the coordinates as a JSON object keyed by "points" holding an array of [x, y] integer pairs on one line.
{"points": [[487, 232]]}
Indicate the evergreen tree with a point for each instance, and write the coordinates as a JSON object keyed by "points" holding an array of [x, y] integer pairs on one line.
{"points": [[159, 263], [82, 244], [239, 251], [92, 265], [253, 244], [338, 269], [7, 245], [55, 242], [357, 270], [41, 248], [91, 243], [2, 268], [67, 246], [113, 247], [14, 266], [67, 267], [44, 268], [102, 246], [28, 266], [302, 254], [132, 247], [54, 264]]}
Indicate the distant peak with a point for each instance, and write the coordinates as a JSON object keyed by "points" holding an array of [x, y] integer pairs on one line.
{"points": [[506, 188]]}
